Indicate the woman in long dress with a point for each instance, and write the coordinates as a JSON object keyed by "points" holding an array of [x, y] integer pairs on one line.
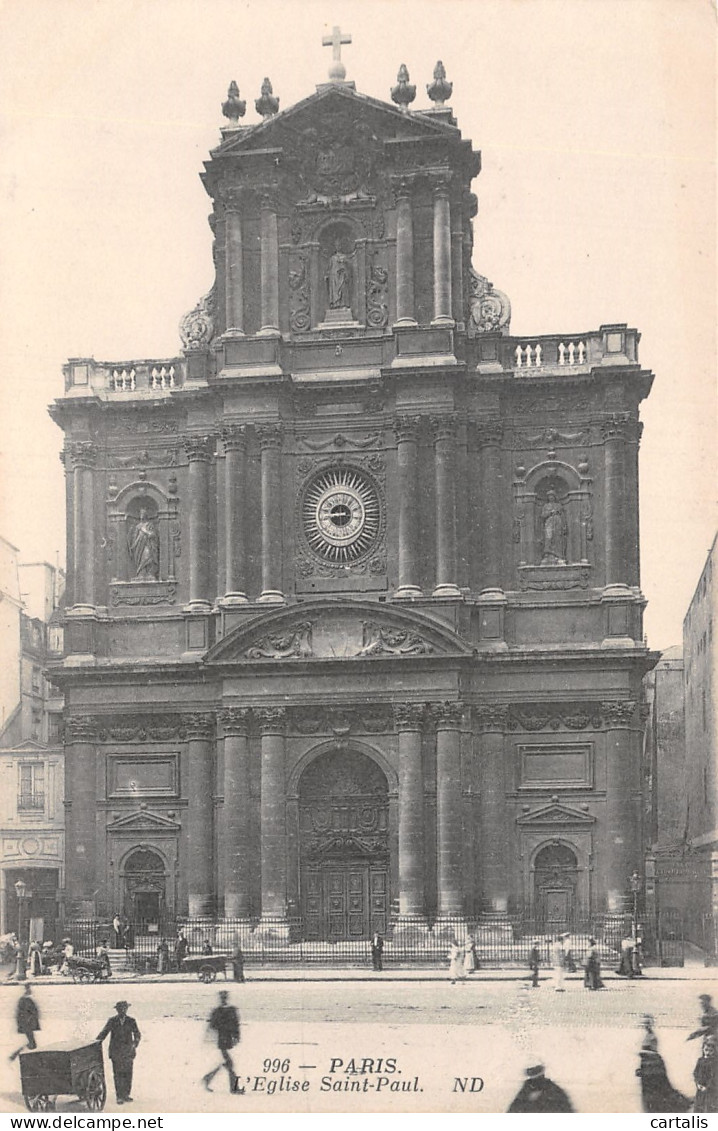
{"points": [[592, 968], [471, 958], [657, 1092], [456, 962]]}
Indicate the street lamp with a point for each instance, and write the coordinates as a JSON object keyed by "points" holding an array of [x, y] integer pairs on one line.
{"points": [[20, 962]]}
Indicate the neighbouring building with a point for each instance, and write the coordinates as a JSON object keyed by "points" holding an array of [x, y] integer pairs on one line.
{"points": [[354, 630], [32, 817]]}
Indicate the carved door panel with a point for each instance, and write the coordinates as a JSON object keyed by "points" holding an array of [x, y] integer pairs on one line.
{"points": [[344, 900], [312, 903], [379, 900]]}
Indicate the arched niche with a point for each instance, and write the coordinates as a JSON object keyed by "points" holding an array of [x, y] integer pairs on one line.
{"points": [[553, 516], [143, 535], [143, 877]]}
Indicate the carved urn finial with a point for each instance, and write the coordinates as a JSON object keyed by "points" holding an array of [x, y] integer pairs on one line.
{"points": [[266, 105], [440, 89], [234, 108], [404, 92]]}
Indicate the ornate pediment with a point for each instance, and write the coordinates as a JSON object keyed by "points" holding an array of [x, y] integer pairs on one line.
{"points": [[143, 821], [555, 814], [352, 630]]}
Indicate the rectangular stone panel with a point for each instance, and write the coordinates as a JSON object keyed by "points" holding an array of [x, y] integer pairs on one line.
{"points": [[555, 766], [152, 775]]}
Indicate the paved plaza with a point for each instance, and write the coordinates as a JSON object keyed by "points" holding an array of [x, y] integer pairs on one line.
{"points": [[422, 1036]]}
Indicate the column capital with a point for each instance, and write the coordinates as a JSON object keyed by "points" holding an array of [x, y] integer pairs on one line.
{"points": [[269, 435], [269, 198], [448, 715], [489, 433], [232, 198], [80, 728], [440, 182], [80, 454], [618, 713], [408, 716], [272, 720], [235, 720], [406, 428], [492, 716], [198, 448], [443, 427], [234, 437], [199, 725], [616, 426], [402, 186]]}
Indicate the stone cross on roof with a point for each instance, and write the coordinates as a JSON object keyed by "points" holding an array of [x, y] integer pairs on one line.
{"points": [[337, 71]]}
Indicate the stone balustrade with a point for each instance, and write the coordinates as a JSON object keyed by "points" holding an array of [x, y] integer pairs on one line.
{"points": [[609, 345], [87, 377]]}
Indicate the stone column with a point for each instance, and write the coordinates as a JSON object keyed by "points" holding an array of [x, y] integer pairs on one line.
{"points": [[235, 518], [408, 719], [273, 814], [234, 267], [444, 429], [269, 267], [200, 838], [614, 437], [83, 457], [492, 721], [81, 813], [442, 257], [270, 446], [449, 825], [489, 435], [404, 257], [407, 442], [199, 452], [621, 834], [235, 846]]}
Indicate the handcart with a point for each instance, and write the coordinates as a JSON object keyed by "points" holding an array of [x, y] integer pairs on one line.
{"points": [[88, 969], [206, 966], [63, 1069]]}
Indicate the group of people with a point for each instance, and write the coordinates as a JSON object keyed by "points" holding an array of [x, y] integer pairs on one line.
{"points": [[463, 960], [123, 933], [563, 962]]}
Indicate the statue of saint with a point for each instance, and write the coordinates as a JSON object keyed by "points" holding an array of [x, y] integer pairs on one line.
{"points": [[339, 280], [143, 544], [555, 531]]}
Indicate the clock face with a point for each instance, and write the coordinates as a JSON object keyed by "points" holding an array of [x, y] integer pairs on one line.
{"points": [[340, 514]]}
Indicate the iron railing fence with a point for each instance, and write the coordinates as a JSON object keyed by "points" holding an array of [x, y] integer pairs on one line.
{"points": [[499, 942]]}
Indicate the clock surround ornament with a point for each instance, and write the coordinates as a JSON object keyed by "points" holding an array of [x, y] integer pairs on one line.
{"points": [[340, 514]]}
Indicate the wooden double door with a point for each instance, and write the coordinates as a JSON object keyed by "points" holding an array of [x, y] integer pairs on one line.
{"points": [[344, 899]]}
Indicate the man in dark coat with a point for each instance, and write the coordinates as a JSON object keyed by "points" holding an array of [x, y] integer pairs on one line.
{"points": [[181, 950], [225, 1022], [709, 1019], [705, 1075], [534, 963], [238, 963], [124, 1039], [657, 1092], [27, 1018], [377, 950], [538, 1094]]}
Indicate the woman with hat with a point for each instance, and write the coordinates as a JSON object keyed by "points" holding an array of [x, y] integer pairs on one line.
{"points": [[592, 967], [538, 1093]]}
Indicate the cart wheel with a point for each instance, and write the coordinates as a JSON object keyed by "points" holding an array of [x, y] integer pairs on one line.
{"points": [[207, 974], [95, 1091], [83, 975], [40, 1103]]}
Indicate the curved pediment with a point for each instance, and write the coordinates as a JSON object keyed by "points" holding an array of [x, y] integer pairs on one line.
{"points": [[347, 630]]}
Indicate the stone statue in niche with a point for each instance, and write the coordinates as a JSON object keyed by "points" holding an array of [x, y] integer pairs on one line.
{"points": [[554, 529], [143, 544], [339, 280]]}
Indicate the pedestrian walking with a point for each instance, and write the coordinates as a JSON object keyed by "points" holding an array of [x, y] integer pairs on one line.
{"points": [[125, 1036], [128, 936], [377, 951], [557, 962], [27, 1019], [657, 1092], [569, 963], [238, 963], [181, 949], [637, 957], [68, 952], [625, 966], [592, 967], [103, 954], [225, 1022], [471, 958], [539, 1094], [709, 1018], [534, 963], [163, 957], [705, 1075], [456, 962], [117, 929]]}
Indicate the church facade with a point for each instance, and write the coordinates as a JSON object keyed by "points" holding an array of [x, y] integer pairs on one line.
{"points": [[354, 630]]}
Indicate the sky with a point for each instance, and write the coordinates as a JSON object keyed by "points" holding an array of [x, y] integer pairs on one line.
{"points": [[596, 122]]}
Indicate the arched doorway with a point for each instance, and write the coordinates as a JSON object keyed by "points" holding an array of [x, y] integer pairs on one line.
{"points": [[555, 887], [344, 847], [145, 883]]}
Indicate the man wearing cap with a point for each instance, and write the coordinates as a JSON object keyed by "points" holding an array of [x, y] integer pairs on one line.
{"points": [[538, 1093], [124, 1039]]}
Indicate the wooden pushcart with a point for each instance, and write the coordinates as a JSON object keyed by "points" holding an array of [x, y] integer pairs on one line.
{"points": [[65, 1069], [206, 966]]}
